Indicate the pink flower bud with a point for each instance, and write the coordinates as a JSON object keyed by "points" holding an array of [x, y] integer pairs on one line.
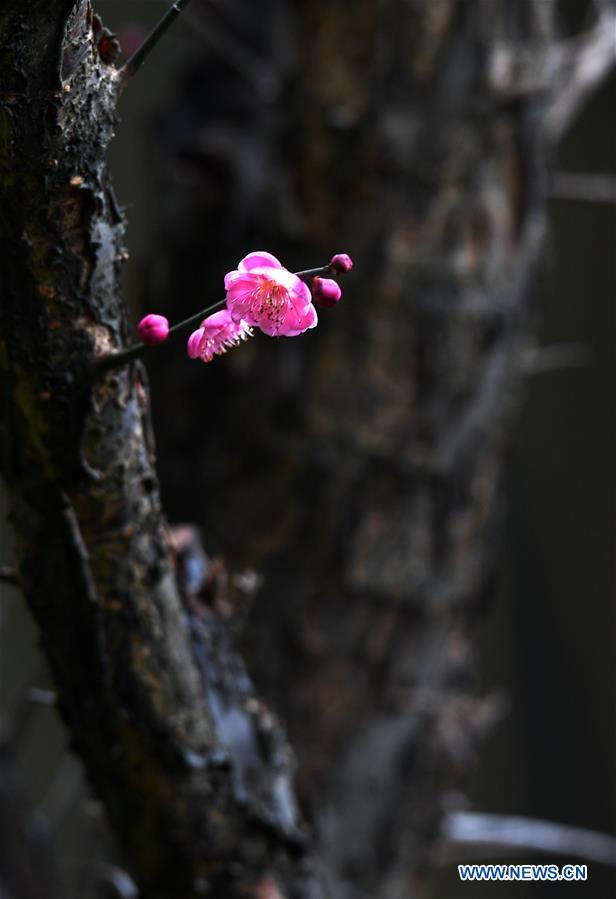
{"points": [[341, 263], [153, 329], [325, 292]]}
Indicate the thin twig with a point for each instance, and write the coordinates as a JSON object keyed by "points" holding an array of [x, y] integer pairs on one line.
{"points": [[9, 576], [566, 72], [577, 68], [41, 696], [474, 834], [235, 53], [308, 273], [132, 65], [582, 186], [137, 350], [559, 356], [121, 882]]}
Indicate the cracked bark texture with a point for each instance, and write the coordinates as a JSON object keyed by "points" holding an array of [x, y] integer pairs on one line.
{"points": [[358, 469], [194, 771]]}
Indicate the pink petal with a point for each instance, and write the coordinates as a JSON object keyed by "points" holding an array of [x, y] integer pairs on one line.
{"points": [[217, 319], [244, 285], [239, 307], [312, 318], [300, 302], [301, 292], [280, 276], [259, 259], [298, 323], [236, 277], [270, 328], [194, 343], [297, 320], [239, 295]]}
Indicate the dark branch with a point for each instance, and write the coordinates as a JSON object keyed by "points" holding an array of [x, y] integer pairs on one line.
{"points": [[132, 65], [474, 833], [575, 69], [583, 187]]}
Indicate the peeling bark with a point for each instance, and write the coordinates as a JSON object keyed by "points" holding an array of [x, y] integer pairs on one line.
{"points": [[194, 773], [359, 469]]}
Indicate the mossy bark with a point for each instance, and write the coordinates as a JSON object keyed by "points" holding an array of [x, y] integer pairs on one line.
{"points": [[194, 773]]}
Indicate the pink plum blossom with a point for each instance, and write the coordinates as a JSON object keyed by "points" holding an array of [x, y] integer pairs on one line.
{"points": [[264, 294], [217, 334], [153, 329]]}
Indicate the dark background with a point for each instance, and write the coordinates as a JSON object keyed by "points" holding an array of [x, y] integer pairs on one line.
{"points": [[546, 644]]}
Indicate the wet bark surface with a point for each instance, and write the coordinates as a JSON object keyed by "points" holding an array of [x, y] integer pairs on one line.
{"points": [[193, 770], [359, 469], [356, 469]]}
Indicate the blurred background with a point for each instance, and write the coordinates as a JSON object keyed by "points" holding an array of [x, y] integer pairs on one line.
{"points": [[544, 643]]}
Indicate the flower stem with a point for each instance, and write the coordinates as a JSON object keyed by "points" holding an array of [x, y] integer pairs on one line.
{"points": [[137, 350], [313, 272], [197, 318], [132, 65]]}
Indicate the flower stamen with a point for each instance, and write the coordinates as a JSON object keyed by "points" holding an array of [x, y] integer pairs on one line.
{"points": [[268, 301], [217, 334]]}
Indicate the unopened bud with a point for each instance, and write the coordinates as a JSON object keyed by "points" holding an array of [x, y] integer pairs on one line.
{"points": [[325, 292], [341, 263], [153, 329]]}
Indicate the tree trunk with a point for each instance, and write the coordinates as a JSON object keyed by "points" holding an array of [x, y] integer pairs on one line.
{"points": [[193, 770], [357, 468]]}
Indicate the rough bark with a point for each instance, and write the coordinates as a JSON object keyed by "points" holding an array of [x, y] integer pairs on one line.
{"points": [[364, 488], [359, 469], [194, 772]]}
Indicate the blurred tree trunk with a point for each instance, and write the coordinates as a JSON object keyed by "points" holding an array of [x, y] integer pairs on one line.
{"points": [[27, 869], [193, 770], [358, 468]]}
